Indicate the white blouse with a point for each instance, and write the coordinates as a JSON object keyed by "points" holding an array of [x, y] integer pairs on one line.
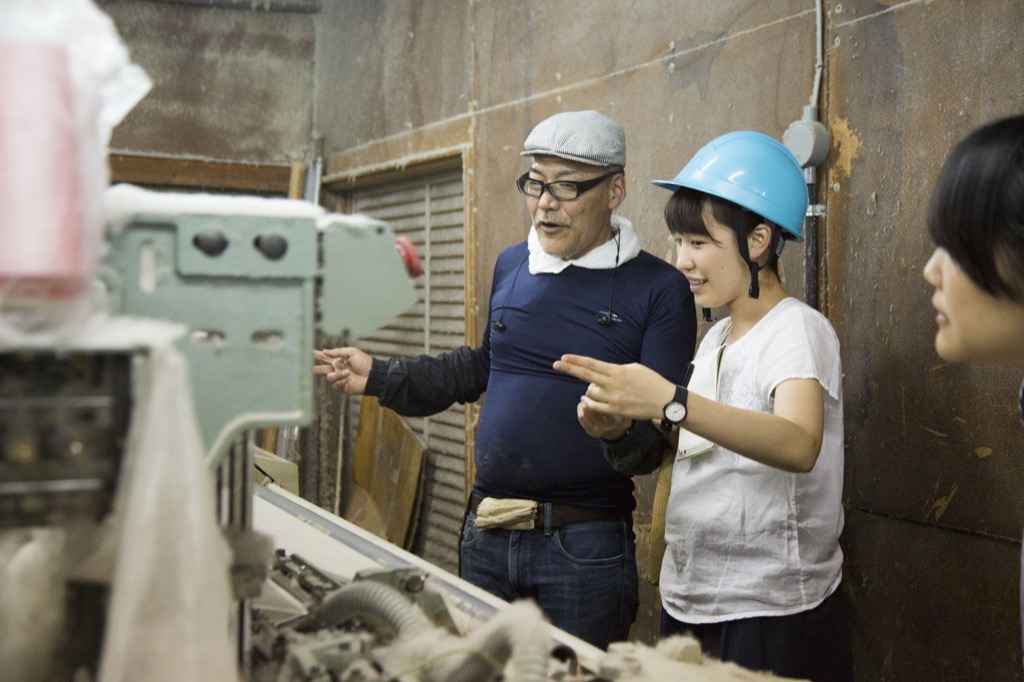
{"points": [[745, 539]]}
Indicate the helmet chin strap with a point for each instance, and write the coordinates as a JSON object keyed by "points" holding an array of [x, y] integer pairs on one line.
{"points": [[775, 247]]}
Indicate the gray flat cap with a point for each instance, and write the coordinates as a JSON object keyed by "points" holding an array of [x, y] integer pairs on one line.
{"points": [[585, 136]]}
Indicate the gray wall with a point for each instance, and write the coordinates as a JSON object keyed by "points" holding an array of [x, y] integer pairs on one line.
{"points": [[933, 457]]}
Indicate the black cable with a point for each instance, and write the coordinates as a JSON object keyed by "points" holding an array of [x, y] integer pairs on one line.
{"points": [[498, 325], [260, 469], [605, 319]]}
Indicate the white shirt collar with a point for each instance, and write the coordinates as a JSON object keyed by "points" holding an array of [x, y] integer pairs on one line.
{"points": [[603, 257]]}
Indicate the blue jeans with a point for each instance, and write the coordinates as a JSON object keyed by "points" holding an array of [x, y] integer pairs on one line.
{"points": [[582, 575]]}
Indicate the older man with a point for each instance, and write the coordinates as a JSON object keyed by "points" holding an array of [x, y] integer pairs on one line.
{"points": [[548, 518]]}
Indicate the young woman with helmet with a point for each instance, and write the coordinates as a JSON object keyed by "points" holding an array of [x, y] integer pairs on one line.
{"points": [[976, 218], [753, 563]]}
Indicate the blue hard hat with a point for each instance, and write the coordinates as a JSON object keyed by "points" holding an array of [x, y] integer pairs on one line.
{"points": [[754, 171]]}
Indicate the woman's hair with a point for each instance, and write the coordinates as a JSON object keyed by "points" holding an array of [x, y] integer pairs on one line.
{"points": [[977, 207], [685, 211]]}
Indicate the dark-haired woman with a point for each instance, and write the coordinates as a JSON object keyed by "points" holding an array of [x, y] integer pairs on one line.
{"points": [[976, 218]]}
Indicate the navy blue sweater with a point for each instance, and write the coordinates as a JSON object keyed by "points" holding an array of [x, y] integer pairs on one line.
{"points": [[529, 443]]}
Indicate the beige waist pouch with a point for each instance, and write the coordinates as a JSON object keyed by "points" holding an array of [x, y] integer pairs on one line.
{"points": [[508, 513]]}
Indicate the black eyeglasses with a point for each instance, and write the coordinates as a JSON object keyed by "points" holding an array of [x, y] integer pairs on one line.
{"points": [[563, 190]]}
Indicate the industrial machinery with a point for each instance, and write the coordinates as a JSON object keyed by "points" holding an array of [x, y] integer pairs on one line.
{"points": [[203, 330], [475, 636]]}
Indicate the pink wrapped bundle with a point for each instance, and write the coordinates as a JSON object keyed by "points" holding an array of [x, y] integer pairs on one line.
{"points": [[42, 254]]}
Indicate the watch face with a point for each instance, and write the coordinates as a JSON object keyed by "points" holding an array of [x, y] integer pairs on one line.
{"points": [[675, 412]]}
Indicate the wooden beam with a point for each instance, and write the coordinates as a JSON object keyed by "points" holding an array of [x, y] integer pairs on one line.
{"points": [[210, 175], [298, 6]]}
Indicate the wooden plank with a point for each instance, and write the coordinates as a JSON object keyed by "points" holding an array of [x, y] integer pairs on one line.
{"points": [[216, 175], [298, 6], [387, 466]]}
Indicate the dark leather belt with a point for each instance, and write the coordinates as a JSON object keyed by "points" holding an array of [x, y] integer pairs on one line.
{"points": [[563, 514]]}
